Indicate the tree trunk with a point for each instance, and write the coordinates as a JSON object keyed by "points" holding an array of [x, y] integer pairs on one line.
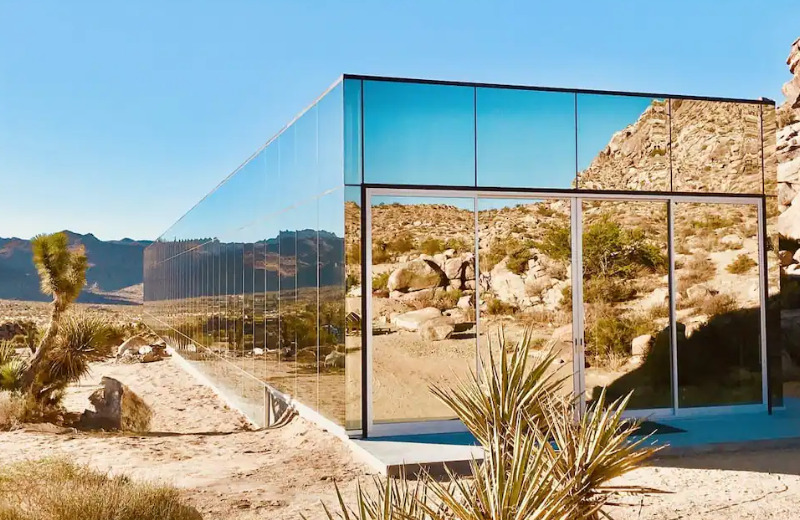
{"points": [[44, 346]]}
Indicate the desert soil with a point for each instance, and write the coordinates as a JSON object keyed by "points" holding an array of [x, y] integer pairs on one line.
{"points": [[230, 472]]}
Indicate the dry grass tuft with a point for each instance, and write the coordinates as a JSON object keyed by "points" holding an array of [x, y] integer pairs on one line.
{"points": [[56, 489]]}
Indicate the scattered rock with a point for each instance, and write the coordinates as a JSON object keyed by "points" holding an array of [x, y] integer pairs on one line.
{"points": [[786, 258], [697, 292], [507, 286], [466, 302], [437, 329], [133, 345]]}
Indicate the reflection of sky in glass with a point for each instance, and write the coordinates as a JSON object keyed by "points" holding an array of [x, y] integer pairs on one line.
{"points": [[525, 138], [419, 134], [600, 117]]}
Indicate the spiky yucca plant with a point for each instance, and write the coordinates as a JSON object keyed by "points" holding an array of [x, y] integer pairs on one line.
{"points": [[7, 352], [540, 463], [11, 373], [62, 273]]}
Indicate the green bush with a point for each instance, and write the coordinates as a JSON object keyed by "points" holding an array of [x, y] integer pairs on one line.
{"points": [[380, 255], [741, 264], [11, 374], [8, 351], [432, 246], [353, 254], [56, 489], [458, 244]]}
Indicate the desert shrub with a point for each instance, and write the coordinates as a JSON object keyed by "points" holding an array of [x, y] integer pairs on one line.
{"points": [[609, 290], [56, 489], [17, 408], [658, 152], [431, 246], [11, 374], [741, 264], [556, 242], [8, 351], [544, 210], [91, 333], [401, 243], [539, 462], [499, 307], [380, 282], [712, 222], [441, 299], [351, 281]]}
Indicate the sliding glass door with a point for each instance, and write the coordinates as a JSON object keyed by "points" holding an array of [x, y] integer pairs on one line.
{"points": [[659, 297]]}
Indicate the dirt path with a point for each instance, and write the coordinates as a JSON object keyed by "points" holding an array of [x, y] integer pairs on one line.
{"points": [[230, 473]]}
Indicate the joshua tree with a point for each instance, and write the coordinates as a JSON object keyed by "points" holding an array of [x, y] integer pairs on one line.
{"points": [[62, 271]]}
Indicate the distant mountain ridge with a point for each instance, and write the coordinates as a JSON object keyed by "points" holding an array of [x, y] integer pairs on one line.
{"points": [[114, 267]]}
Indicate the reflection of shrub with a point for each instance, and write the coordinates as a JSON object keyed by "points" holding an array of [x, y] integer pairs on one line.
{"points": [[499, 308], [431, 246], [609, 334], [609, 290], [518, 254], [717, 304], [697, 270], [741, 265], [351, 281], [380, 282], [457, 244], [402, 243], [380, 255], [658, 152], [713, 222], [441, 299], [545, 210], [353, 254], [608, 249]]}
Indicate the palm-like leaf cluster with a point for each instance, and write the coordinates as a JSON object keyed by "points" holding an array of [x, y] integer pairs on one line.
{"points": [[62, 270], [540, 462]]}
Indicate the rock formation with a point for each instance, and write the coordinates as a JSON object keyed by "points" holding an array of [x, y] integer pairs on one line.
{"points": [[788, 151]]}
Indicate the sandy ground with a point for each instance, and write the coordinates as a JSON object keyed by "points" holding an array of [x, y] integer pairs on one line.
{"points": [[229, 472], [199, 444]]}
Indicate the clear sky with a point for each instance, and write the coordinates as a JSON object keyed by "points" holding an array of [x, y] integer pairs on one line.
{"points": [[116, 117]]}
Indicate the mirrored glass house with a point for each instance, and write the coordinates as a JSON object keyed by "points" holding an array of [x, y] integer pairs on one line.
{"points": [[384, 238]]}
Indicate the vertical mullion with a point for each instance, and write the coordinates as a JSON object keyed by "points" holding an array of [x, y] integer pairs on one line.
{"points": [[763, 282], [673, 319]]}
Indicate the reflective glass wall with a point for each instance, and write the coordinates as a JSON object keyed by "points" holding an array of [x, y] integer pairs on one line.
{"points": [[250, 284], [262, 283]]}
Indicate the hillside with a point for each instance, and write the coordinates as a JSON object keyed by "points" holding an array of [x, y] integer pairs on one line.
{"points": [[115, 270]]}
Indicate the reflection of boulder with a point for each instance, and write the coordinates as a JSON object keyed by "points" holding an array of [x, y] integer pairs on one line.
{"points": [[437, 329], [414, 319], [507, 286], [415, 275]]}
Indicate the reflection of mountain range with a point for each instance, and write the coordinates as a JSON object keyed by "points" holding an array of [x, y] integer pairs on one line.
{"points": [[297, 257], [113, 266]]}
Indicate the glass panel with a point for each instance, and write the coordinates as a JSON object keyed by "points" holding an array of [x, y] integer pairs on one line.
{"points": [[353, 322], [330, 137], [626, 301], [718, 302], [423, 321], [623, 143], [769, 145], [353, 170], [287, 341], [306, 314], [525, 138], [419, 133], [716, 147], [525, 260], [333, 392]]}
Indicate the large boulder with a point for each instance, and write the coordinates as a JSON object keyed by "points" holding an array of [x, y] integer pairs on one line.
{"points": [[117, 407], [416, 274], [437, 329], [641, 344], [414, 319], [132, 345], [507, 286]]}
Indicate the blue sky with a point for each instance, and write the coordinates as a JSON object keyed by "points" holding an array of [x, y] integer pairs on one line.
{"points": [[115, 118]]}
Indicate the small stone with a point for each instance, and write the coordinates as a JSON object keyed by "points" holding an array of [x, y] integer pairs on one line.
{"points": [[437, 329]]}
